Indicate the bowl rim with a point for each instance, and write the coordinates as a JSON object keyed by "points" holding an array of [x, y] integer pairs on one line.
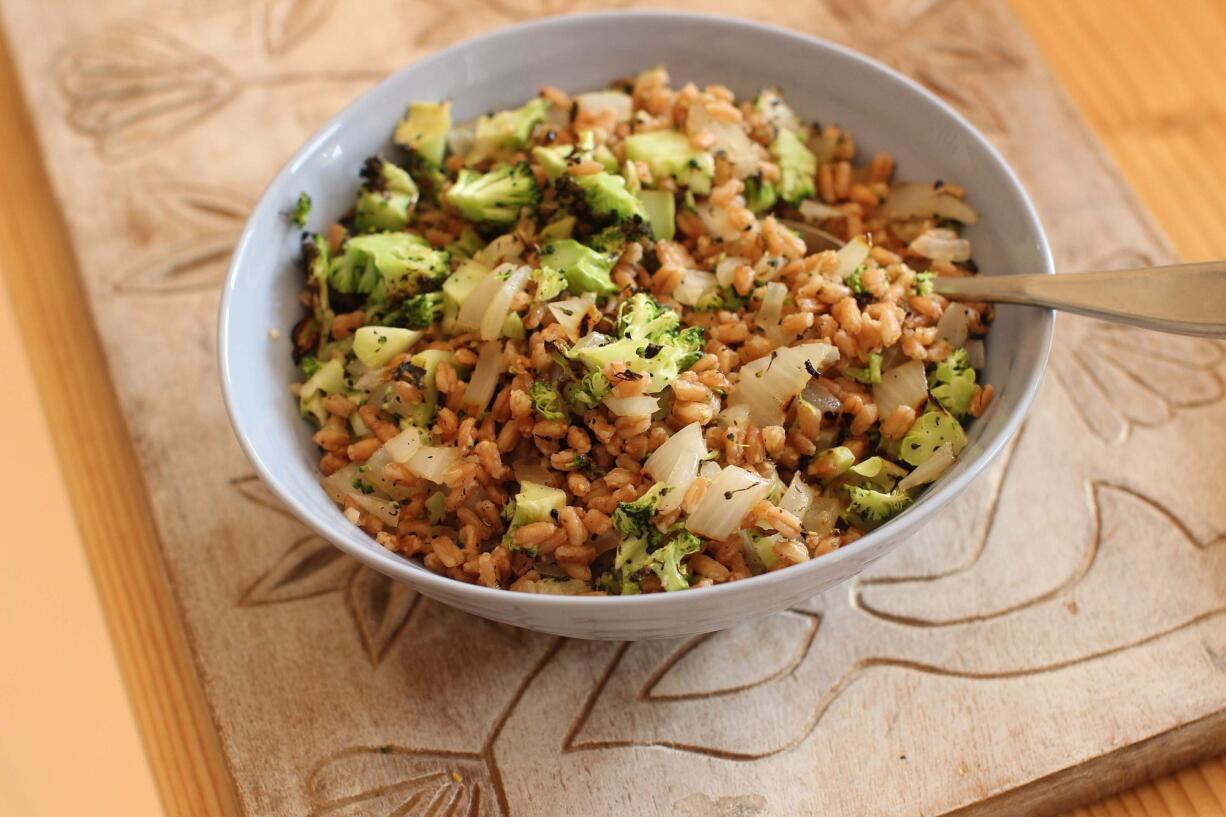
{"points": [[402, 569]]}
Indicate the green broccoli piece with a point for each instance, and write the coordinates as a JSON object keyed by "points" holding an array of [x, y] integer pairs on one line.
{"points": [[423, 130], [309, 365], [388, 266], [854, 281], [634, 518], [557, 229], [838, 460], [602, 197], [721, 298], [650, 342], [953, 383], [661, 209], [533, 503], [760, 195], [302, 209], [545, 400], [467, 245], [878, 472], [867, 375], [797, 167], [506, 130], [553, 159], [613, 239], [586, 270], [387, 197], [588, 391], [874, 507], [923, 283], [417, 312], [550, 283], [436, 507], [495, 197], [932, 430], [666, 560], [669, 153]]}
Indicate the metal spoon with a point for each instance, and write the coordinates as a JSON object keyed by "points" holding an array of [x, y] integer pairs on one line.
{"points": [[1187, 299]]}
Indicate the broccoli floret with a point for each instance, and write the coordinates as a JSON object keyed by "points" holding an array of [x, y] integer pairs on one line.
{"points": [[932, 430], [386, 199], [797, 167], [388, 266], [867, 375], [589, 391], [953, 383], [760, 195], [666, 560], [550, 283], [721, 298], [417, 312], [669, 153], [533, 503], [302, 209], [874, 507], [854, 281], [634, 518], [602, 197], [553, 160], [923, 283], [495, 197], [423, 130], [586, 270], [650, 342], [506, 130], [545, 401], [309, 365]]}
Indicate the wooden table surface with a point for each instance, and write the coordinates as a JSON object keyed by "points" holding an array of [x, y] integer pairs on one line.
{"points": [[1146, 75]]}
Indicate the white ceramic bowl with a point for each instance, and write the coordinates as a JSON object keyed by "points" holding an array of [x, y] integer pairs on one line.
{"points": [[822, 81]]}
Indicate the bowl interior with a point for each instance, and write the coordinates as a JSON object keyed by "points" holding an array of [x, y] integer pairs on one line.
{"points": [[822, 82]]}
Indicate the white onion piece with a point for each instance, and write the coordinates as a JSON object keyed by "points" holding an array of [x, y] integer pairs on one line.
{"points": [[851, 255], [637, 406], [496, 314], [481, 385], [822, 515], [716, 220], [821, 399], [709, 470], [975, 354], [460, 137], [474, 306], [373, 474], [742, 152], [904, 385], [596, 103], [954, 324], [927, 471], [941, 244], [771, 311], [370, 380], [770, 382], [404, 445], [503, 248], [797, 498], [385, 511], [432, 461], [735, 416], [339, 484], [912, 199], [570, 314], [726, 269], [731, 496], [695, 284], [814, 211], [534, 470], [675, 463]]}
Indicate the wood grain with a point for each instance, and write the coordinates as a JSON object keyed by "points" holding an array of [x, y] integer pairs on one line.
{"points": [[1130, 423]]}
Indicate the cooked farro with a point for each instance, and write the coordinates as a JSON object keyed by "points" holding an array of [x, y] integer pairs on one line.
{"points": [[572, 348]]}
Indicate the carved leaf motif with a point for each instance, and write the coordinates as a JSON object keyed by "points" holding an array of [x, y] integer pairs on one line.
{"points": [[391, 781], [253, 489], [380, 607], [133, 86], [311, 567], [286, 22]]}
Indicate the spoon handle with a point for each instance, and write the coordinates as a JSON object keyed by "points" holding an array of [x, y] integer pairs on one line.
{"points": [[1188, 299]]}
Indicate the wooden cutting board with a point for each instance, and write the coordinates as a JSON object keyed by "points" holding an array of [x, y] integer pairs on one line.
{"points": [[1057, 634]]}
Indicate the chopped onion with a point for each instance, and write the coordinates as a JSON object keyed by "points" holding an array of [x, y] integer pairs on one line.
{"points": [[735, 416], [904, 385], [731, 496], [814, 211], [596, 103], [927, 471], [432, 461], [769, 383], [821, 399], [404, 445], [460, 137], [726, 269], [851, 255], [570, 314], [639, 406], [695, 284], [797, 498], [339, 484], [496, 314], [771, 311], [481, 385], [373, 474], [675, 463], [954, 324], [730, 138], [370, 380], [941, 244], [822, 515], [474, 306], [534, 470], [709, 469], [975, 355], [911, 199], [386, 511], [503, 248], [716, 220], [565, 587]]}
